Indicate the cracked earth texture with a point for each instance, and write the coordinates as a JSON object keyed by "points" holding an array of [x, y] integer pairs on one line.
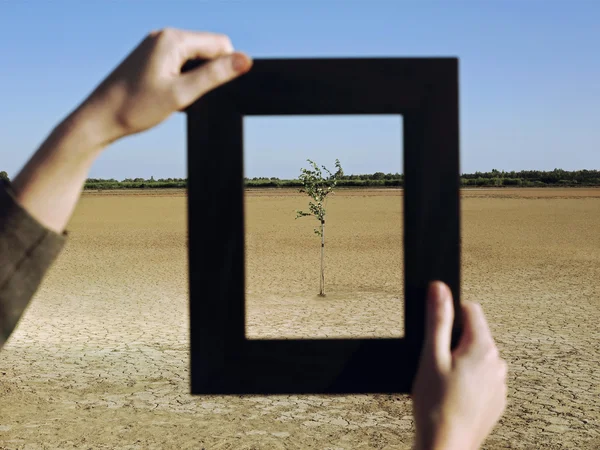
{"points": [[100, 359]]}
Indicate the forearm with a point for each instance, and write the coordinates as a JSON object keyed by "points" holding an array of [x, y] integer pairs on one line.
{"points": [[34, 211], [27, 250], [50, 184], [145, 89]]}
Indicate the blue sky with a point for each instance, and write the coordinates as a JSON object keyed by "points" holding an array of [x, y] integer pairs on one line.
{"points": [[529, 77]]}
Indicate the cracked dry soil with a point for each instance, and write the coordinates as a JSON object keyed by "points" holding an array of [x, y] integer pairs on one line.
{"points": [[100, 359]]}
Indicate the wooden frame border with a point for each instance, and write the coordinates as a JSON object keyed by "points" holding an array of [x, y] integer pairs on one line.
{"points": [[425, 92]]}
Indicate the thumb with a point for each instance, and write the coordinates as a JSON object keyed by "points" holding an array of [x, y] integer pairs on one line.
{"points": [[438, 329], [216, 72]]}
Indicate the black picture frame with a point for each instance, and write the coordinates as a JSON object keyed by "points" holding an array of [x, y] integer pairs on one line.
{"points": [[425, 92]]}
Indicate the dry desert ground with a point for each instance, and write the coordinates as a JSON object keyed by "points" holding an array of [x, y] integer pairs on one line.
{"points": [[100, 359]]}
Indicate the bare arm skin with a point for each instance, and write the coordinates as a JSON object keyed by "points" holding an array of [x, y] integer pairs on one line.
{"points": [[144, 90]]}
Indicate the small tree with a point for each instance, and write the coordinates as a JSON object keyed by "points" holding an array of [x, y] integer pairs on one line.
{"points": [[4, 176], [318, 188]]}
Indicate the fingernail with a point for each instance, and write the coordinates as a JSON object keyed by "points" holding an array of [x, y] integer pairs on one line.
{"points": [[240, 63], [438, 293]]}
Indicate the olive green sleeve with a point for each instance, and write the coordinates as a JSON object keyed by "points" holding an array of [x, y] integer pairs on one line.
{"points": [[27, 250]]}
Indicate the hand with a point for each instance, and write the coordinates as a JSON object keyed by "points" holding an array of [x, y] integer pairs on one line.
{"points": [[148, 85], [458, 396], [140, 93]]}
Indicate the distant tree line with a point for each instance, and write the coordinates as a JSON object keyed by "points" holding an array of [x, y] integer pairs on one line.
{"points": [[532, 178], [495, 178], [135, 183]]}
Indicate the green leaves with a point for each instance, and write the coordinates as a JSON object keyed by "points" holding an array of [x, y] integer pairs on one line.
{"points": [[318, 187], [302, 214]]}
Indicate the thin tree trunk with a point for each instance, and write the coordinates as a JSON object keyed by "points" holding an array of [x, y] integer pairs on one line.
{"points": [[322, 293]]}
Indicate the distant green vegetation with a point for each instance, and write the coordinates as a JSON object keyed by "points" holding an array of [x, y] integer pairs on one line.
{"points": [[495, 178], [135, 183], [533, 178]]}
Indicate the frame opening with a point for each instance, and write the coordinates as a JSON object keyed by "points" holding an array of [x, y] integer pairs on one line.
{"points": [[362, 247]]}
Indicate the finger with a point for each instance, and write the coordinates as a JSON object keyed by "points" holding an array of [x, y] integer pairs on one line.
{"points": [[476, 332], [195, 44], [195, 83], [438, 330]]}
